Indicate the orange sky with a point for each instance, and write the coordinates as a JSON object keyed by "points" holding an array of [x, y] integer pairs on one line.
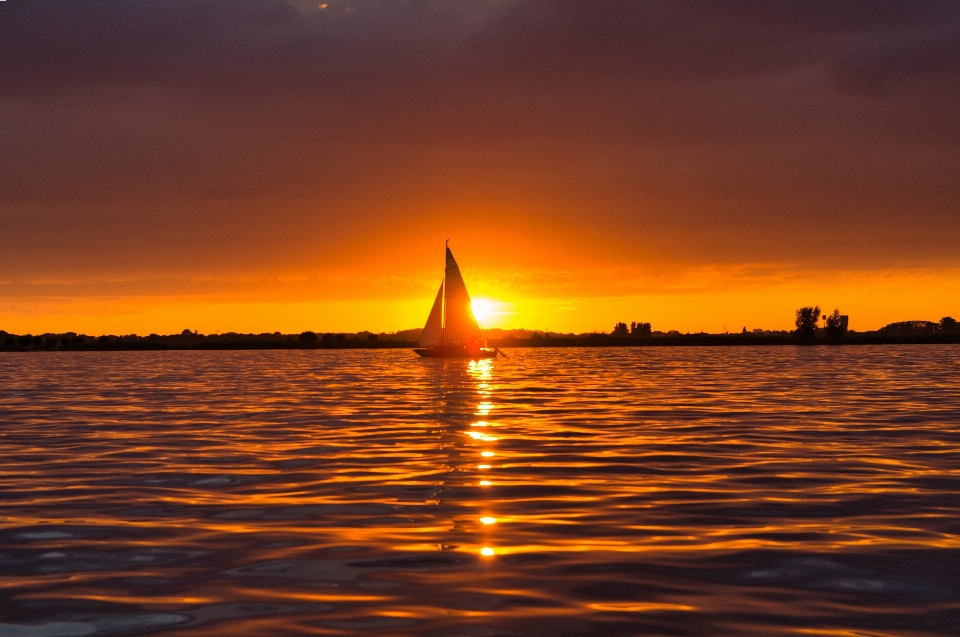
{"points": [[260, 166]]}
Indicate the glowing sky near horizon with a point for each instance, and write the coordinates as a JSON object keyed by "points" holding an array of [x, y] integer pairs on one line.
{"points": [[254, 165]]}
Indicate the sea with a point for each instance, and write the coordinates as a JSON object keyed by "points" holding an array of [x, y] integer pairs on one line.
{"points": [[710, 491]]}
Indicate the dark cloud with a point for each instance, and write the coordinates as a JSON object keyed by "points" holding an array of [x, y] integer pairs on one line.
{"points": [[247, 46], [663, 123]]}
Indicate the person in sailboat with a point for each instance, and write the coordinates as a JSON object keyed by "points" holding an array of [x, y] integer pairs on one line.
{"points": [[451, 330]]}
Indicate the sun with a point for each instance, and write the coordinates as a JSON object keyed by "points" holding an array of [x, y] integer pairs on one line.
{"points": [[482, 309]]}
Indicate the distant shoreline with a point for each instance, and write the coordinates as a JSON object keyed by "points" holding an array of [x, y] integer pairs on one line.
{"points": [[213, 343], [728, 340]]}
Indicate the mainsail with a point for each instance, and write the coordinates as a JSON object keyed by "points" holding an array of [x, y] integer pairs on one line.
{"points": [[460, 323], [451, 317], [432, 333]]}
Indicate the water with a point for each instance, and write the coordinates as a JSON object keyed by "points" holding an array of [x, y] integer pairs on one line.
{"points": [[667, 491]]}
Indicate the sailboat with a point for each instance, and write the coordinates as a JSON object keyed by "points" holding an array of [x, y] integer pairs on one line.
{"points": [[451, 330]]}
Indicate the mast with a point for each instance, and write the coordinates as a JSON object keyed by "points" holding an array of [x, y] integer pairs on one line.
{"points": [[443, 322]]}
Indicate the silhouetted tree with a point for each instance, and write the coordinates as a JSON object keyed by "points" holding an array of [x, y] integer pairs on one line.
{"points": [[25, 340], [79, 340], [640, 329], [327, 337], [308, 337], [371, 338], [50, 342], [836, 324], [910, 328], [807, 318], [37, 341], [10, 341], [620, 329], [948, 325]]}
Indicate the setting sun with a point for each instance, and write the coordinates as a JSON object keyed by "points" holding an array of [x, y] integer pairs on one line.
{"points": [[483, 309]]}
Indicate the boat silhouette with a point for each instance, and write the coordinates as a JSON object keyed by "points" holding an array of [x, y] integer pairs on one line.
{"points": [[452, 330]]}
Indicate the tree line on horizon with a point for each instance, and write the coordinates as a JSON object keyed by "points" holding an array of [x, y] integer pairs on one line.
{"points": [[835, 325], [186, 338], [810, 324]]}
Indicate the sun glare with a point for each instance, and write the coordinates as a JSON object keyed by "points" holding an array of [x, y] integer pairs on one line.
{"points": [[482, 309]]}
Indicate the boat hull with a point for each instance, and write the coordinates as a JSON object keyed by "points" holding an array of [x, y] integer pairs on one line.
{"points": [[456, 351]]}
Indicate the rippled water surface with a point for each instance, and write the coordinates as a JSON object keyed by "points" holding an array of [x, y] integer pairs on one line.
{"points": [[646, 491]]}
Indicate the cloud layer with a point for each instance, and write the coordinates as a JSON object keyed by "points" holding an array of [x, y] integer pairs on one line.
{"points": [[239, 137]]}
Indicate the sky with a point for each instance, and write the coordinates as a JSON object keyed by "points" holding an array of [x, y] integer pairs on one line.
{"points": [[262, 165]]}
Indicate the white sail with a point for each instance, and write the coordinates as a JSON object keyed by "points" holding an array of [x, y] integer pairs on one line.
{"points": [[432, 333], [460, 323]]}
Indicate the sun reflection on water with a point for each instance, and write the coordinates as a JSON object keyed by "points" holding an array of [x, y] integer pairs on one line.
{"points": [[482, 373]]}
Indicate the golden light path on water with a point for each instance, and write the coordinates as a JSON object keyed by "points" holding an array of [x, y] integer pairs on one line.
{"points": [[681, 491]]}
